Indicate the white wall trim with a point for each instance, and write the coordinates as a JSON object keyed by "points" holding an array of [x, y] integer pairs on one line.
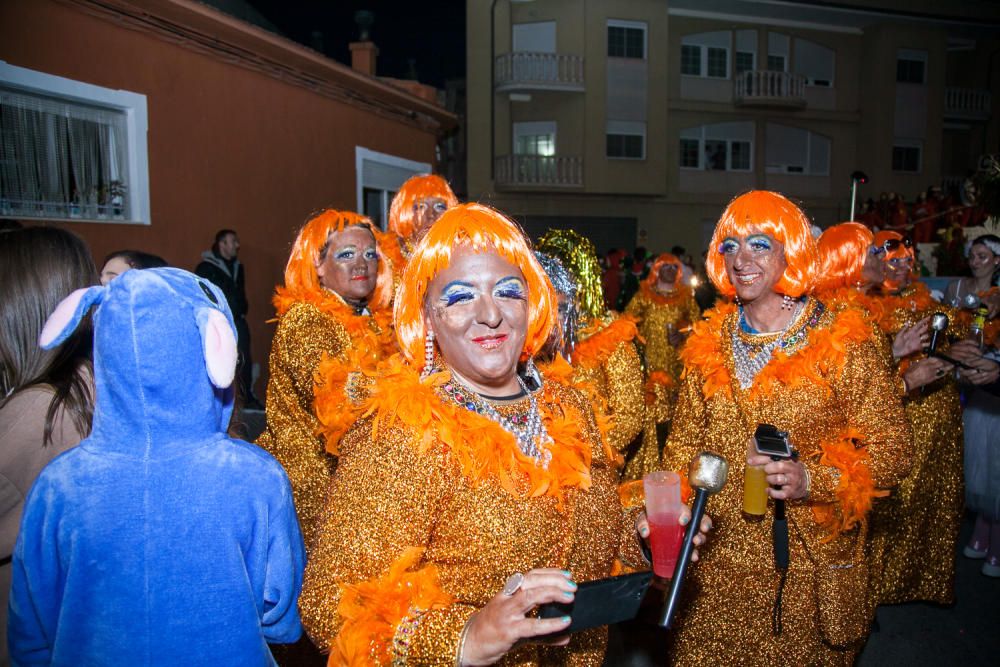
{"points": [[136, 121], [362, 154], [761, 20]]}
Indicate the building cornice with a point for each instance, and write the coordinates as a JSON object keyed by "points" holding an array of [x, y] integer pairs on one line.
{"points": [[203, 29]]}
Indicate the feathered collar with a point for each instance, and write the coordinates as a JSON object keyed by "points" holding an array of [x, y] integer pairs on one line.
{"points": [[680, 294], [331, 304], [600, 339], [709, 350], [915, 298], [481, 448]]}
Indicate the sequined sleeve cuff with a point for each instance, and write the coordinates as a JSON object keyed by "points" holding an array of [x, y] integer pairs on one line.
{"points": [[842, 486], [437, 638]]}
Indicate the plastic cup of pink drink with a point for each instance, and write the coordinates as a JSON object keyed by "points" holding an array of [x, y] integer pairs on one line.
{"points": [[663, 511]]}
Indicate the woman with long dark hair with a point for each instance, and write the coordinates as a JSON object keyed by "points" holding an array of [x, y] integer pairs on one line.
{"points": [[46, 396]]}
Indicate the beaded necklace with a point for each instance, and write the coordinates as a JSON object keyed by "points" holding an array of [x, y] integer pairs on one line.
{"points": [[528, 430], [748, 364]]}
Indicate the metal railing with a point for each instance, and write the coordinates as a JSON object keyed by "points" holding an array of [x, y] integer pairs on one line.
{"points": [[554, 171], [765, 86], [967, 103], [538, 70]]}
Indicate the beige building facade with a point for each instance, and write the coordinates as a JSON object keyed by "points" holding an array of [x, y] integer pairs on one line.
{"points": [[635, 121]]}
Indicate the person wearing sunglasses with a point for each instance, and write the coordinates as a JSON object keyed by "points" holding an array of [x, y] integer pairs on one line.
{"points": [[918, 556]]}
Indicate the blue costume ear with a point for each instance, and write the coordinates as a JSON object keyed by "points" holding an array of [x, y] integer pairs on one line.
{"points": [[66, 317]]}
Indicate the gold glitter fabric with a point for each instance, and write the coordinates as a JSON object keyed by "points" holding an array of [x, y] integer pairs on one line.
{"points": [[915, 530], [578, 254], [399, 487], [654, 313], [607, 365], [843, 414], [303, 335]]}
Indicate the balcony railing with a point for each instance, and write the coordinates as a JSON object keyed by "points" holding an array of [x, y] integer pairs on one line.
{"points": [[967, 103], [767, 88], [538, 71], [543, 171]]}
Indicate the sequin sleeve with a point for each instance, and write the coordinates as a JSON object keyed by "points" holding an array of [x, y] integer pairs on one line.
{"points": [[693, 309], [690, 423], [869, 394], [626, 402], [303, 335], [637, 307], [383, 501]]}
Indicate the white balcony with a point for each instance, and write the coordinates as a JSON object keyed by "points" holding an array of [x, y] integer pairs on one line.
{"points": [[770, 89], [538, 171], [967, 103], [524, 71]]}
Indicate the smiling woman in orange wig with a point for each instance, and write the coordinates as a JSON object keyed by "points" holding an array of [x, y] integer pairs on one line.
{"points": [[781, 357], [332, 312], [418, 203], [473, 489]]}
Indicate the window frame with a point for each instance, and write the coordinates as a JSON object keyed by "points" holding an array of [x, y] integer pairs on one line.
{"points": [[908, 144], [703, 59], [706, 136], [132, 105], [913, 56], [363, 155], [771, 169], [627, 25], [625, 129]]}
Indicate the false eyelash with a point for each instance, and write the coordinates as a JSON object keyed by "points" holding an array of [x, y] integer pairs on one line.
{"points": [[451, 297], [759, 244], [371, 254], [344, 254], [727, 247], [511, 293]]}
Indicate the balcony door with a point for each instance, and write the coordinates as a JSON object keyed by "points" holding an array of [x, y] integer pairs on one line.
{"points": [[535, 151]]}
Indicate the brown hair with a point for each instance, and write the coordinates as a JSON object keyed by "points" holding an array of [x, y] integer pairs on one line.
{"points": [[39, 267]]}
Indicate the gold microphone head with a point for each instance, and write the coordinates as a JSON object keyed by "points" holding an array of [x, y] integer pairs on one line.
{"points": [[708, 471]]}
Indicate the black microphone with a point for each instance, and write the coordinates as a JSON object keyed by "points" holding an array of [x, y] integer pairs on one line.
{"points": [[939, 323], [707, 475]]}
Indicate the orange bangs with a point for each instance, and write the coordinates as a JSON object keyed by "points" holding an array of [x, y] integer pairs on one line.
{"points": [[842, 252], [665, 258], [484, 230], [764, 212], [414, 190], [313, 238]]}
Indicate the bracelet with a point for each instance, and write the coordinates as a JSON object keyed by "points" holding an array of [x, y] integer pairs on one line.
{"points": [[401, 639], [461, 643]]}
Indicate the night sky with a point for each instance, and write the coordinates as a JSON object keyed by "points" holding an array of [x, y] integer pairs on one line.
{"points": [[431, 33]]}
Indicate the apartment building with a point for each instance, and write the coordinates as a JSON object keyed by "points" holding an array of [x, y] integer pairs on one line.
{"points": [[635, 121]]}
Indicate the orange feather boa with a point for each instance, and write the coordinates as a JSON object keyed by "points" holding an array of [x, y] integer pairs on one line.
{"points": [[855, 489], [373, 610], [599, 341], [681, 293], [481, 448], [822, 356]]}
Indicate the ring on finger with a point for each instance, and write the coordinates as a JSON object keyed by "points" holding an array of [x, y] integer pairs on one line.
{"points": [[513, 584]]}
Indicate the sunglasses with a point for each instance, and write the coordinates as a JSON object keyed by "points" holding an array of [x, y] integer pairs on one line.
{"points": [[894, 244]]}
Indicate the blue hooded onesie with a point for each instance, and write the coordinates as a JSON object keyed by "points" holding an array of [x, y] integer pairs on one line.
{"points": [[158, 540]]}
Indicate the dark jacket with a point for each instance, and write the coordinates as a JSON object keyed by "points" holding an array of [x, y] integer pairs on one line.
{"points": [[229, 277]]}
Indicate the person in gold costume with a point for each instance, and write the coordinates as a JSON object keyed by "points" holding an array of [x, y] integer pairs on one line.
{"points": [[332, 306], [780, 357], [916, 531], [471, 492], [417, 204], [664, 308], [600, 346]]}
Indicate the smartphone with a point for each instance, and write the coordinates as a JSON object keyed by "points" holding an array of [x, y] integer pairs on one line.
{"points": [[769, 441], [601, 602]]}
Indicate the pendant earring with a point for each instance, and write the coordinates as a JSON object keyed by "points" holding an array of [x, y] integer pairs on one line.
{"points": [[786, 302], [531, 372], [739, 302], [428, 354]]}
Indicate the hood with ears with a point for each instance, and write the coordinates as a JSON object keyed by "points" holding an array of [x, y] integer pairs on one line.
{"points": [[164, 360]]}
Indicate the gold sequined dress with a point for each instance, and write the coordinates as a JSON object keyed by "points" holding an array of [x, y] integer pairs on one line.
{"points": [[654, 311], [608, 368], [827, 385], [916, 530], [310, 328], [434, 506]]}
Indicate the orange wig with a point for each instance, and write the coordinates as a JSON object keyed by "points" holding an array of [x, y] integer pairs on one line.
{"points": [[484, 230], [898, 253], [413, 191], [665, 258], [764, 212], [843, 249], [310, 248]]}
